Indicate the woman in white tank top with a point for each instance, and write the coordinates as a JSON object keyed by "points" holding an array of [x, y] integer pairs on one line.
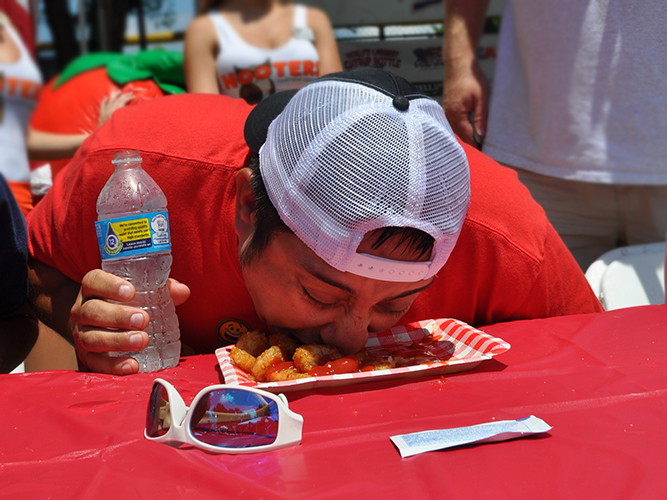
{"points": [[20, 86], [20, 83], [253, 48]]}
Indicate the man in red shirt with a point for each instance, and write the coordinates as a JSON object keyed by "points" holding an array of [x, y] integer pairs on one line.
{"points": [[356, 209]]}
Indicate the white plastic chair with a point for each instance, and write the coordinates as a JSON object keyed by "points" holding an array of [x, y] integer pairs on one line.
{"points": [[629, 276]]}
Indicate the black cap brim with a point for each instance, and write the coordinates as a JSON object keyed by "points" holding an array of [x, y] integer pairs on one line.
{"points": [[259, 119]]}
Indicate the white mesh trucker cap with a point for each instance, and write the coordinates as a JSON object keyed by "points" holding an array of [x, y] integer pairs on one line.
{"points": [[357, 151]]}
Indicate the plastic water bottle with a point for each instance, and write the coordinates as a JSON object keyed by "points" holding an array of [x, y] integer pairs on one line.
{"points": [[135, 244]]}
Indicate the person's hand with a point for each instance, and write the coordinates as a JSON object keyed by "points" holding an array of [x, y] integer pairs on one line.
{"points": [[110, 104], [465, 96], [100, 326]]}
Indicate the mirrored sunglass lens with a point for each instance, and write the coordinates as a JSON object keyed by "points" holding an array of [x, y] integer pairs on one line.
{"points": [[158, 417], [232, 418]]}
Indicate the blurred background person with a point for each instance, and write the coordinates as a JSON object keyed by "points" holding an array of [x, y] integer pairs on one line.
{"points": [[54, 146], [253, 48], [578, 108], [20, 84], [20, 91], [85, 94]]}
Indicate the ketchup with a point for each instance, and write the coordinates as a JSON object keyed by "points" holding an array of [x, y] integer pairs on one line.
{"points": [[346, 364], [285, 365]]}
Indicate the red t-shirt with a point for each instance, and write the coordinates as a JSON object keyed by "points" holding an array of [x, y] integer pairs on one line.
{"points": [[508, 264]]}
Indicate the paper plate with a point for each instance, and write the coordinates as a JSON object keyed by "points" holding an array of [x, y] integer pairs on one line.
{"points": [[443, 345]]}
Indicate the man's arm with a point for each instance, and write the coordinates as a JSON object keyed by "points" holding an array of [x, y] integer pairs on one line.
{"points": [[92, 315], [52, 295], [81, 315], [466, 89]]}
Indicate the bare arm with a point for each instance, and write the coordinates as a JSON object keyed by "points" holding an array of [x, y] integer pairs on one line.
{"points": [[57, 301], [466, 89], [52, 295], [50, 146], [325, 41], [199, 52]]}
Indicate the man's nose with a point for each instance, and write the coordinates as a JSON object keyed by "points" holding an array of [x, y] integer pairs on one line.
{"points": [[349, 333]]}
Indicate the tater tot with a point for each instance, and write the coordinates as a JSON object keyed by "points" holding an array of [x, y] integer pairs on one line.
{"points": [[400, 360], [307, 356], [290, 373], [372, 363], [266, 360], [258, 354], [376, 364], [285, 342], [253, 342], [244, 360]]}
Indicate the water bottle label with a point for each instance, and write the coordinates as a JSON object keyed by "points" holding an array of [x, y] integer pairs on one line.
{"points": [[133, 235]]}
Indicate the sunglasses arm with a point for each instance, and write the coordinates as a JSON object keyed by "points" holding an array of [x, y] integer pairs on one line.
{"points": [[177, 412]]}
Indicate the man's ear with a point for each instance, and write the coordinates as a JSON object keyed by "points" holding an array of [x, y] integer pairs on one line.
{"points": [[244, 220]]}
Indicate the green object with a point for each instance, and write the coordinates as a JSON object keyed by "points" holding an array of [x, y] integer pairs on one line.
{"points": [[163, 66]]}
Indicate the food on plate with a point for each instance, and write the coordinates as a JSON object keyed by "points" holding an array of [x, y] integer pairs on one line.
{"points": [[272, 356], [243, 359], [370, 363], [286, 343], [428, 347], [279, 357], [253, 342], [308, 356]]}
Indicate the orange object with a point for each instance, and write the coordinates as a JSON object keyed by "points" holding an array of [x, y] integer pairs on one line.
{"points": [[74, 106], [21, 191]]}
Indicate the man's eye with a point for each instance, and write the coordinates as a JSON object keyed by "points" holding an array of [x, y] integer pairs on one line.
{"points": [[393, 311], [317, 302]]}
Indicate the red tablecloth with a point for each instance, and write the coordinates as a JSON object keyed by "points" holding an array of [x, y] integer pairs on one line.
{"points": [[600, 381]]}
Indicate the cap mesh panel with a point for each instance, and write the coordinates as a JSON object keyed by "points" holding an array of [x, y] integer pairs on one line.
{"points": [[341, 161]]}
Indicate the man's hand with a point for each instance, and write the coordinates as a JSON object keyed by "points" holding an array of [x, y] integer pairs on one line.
{"points": [[102, 323], [465, 96]]}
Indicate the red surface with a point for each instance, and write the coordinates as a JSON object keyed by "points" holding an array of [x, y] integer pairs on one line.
{"points": [[599, 380]]}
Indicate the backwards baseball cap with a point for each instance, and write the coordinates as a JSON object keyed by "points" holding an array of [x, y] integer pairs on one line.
{"points": [[357, 151]]}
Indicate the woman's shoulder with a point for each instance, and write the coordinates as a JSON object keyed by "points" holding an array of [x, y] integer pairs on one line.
{"points": [[201, 30], [202, 24]]}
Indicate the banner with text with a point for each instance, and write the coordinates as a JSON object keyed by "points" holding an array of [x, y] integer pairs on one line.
{"points": [[418, 60], [374, 12]]}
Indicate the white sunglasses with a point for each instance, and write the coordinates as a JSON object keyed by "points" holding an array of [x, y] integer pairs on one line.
{"points": [[222, 419]]}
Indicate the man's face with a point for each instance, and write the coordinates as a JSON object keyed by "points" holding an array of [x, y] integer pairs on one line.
{"points": [[296, 292]]}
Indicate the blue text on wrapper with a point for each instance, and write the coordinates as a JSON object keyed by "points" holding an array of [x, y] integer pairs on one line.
{"points": [[133, 235]]}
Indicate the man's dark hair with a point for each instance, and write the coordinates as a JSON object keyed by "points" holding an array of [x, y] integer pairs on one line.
{"points": [[268, 223], [267, 220]]}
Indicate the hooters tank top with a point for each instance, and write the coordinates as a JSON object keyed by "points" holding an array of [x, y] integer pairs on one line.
{"points": [[20, 83], [251, 72]]}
